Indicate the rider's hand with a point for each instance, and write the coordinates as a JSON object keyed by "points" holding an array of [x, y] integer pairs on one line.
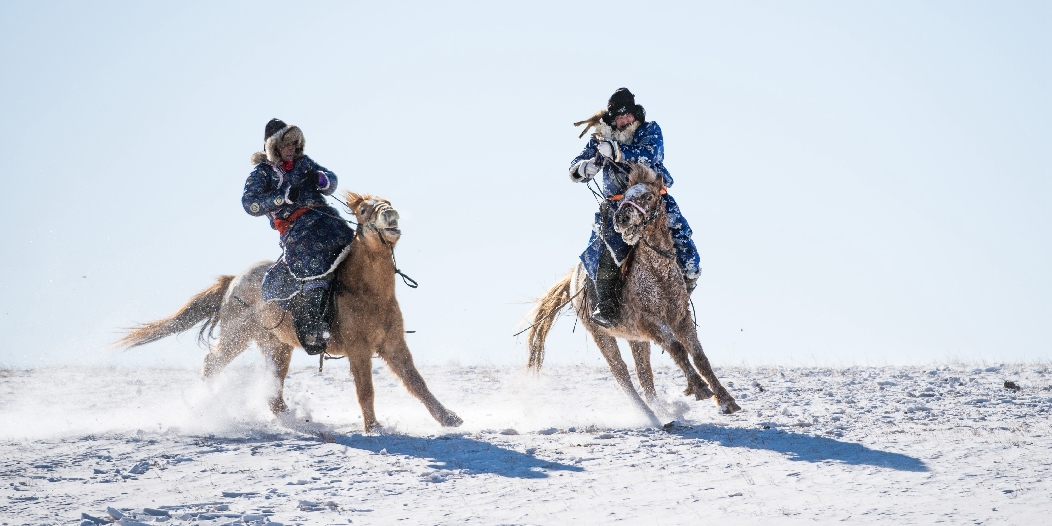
{"points": [[583, 171], [304, 178], [608, 149], [293, 194]]}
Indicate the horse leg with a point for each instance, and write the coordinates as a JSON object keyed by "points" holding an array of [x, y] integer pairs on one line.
{"points": [[667, 340], [608, 346], [687, 335], [361, 362], [400, 361], [695, 385], [641, 357], [279, 354], [232, 342]]}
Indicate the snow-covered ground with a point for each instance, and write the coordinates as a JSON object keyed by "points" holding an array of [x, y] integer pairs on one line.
{"points": [[909, 445]]}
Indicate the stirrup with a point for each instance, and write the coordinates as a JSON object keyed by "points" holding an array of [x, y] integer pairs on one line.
{"points": [[316, 342]]}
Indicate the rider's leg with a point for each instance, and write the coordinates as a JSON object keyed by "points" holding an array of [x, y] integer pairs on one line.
{"points": [[686, 252], [608, 291], [309, 316]]}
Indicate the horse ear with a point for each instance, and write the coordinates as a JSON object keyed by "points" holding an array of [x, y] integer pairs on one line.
{"points": [[353, 200]]}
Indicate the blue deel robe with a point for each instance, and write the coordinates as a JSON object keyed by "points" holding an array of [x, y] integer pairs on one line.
{"points": [[316, 242], [648, 149]]}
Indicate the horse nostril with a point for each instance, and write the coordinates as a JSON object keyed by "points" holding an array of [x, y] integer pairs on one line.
{"points": [[390, 217]]}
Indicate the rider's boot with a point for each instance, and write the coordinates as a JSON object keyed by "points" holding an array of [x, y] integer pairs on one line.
{"points": [[608, 291], [309, 316]]}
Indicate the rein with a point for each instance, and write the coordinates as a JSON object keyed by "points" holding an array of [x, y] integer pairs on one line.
{"points": [[552, 313]]}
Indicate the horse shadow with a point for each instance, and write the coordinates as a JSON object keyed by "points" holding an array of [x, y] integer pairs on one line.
{"points": [[801, 447], [452, 452]]}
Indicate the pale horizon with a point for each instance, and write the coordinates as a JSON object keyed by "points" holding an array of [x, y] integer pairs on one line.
{"points": [[868, 183]]}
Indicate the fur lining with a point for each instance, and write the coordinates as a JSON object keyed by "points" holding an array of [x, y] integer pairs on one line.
{"points": [[272, 146], [625, 136]]}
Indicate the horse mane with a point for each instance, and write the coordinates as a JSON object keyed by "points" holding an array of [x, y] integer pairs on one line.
{"points": [[354, 200], [641, 174]]}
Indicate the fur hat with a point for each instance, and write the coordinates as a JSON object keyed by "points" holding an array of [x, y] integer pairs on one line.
{"points": [[622, 102], [275, 135], [274, 126]]}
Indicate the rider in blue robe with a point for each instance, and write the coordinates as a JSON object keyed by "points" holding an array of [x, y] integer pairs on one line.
{"points": [[623, 136], [290, 188]]}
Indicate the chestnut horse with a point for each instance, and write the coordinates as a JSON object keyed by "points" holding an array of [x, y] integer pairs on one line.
{"points": [[368, 320]]}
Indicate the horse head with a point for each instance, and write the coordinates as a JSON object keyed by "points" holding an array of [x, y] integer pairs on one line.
{"points": [[640, 205], [374, 215]]}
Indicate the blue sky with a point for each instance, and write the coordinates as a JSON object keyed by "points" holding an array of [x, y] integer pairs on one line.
{"points": [[868, 182]]}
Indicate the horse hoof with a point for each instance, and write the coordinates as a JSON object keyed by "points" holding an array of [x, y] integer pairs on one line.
{"points": [[730, 407], [452, 420]]}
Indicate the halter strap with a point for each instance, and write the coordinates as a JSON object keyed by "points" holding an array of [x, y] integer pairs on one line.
{"points": [[623, 203], [618, 197]]}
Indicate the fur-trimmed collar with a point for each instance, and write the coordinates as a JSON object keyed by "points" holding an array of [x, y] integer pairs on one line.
{"points": [[625, 136], [272, 146]]}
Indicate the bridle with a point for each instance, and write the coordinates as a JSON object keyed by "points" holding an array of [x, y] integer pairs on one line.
{"points": [[647, 218], [378, 211]]}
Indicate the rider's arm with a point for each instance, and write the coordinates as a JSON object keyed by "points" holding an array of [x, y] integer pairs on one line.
{"points": [[588, 154], [264, 191], [317, 176], [647, 149], [326, 179]]}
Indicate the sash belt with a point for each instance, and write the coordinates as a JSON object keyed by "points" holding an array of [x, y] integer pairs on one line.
{"points": [[283, 225]]}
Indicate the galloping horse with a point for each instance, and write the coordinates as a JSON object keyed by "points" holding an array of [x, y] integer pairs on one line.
{"points": [[654, 304], [368, 320]]}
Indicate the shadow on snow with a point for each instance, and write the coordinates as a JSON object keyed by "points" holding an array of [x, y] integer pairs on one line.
{"points": [[801, 447], [455, 452]]}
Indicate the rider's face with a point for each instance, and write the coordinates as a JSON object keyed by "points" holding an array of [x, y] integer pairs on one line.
{"points": [[622, 121], [287, 151]]}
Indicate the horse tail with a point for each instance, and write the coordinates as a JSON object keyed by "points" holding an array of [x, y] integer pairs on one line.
{"points": [[544, 316], [203, 306]]}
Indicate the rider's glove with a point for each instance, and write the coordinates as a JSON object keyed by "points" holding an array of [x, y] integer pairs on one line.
{"points": [[609, 149], [583, 171]]}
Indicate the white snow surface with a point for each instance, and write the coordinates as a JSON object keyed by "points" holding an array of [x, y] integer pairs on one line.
{"points": [[945, 443]]}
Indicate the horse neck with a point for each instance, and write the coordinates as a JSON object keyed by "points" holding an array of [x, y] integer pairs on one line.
{"points": [[369, 268]]}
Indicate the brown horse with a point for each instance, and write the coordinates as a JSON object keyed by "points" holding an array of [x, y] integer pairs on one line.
{"points": [[369, 320], [654, 304]]}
